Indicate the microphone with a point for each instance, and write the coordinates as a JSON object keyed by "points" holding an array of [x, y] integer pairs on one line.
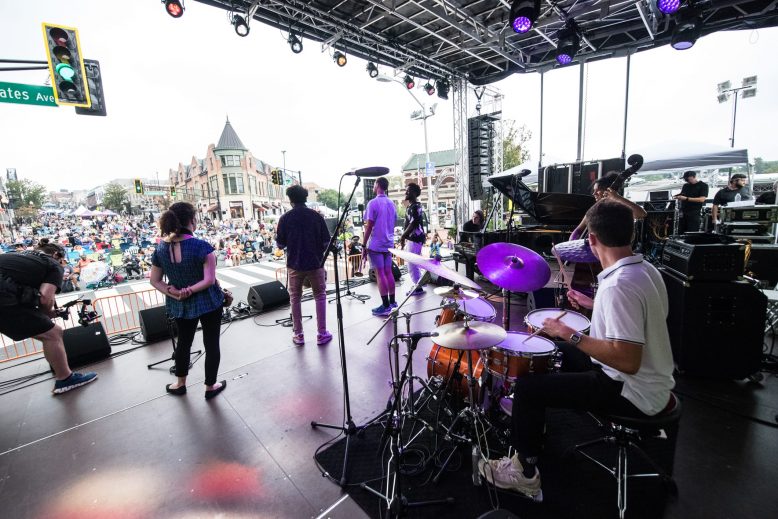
{"points": [[374, 171], [524, 172], [417, 335]]}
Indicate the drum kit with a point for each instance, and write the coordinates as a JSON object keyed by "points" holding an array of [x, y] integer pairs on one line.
{"points": [[473, 361]]}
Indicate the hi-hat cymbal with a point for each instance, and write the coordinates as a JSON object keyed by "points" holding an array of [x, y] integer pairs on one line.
{"points": [[513, 267], [434, 266], [460, 294], [476, 335]]}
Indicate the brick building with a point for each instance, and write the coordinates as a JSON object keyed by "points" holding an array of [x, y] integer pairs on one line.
{"points": [[444, 180]]}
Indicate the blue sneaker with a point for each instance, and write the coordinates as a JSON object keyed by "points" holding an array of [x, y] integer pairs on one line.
{"points": [[73, 381], [378, 308], [394, 305], [382, 310], [419, 291]]}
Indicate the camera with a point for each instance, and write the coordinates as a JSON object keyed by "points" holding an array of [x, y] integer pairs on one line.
{"points": [[85, 316]]}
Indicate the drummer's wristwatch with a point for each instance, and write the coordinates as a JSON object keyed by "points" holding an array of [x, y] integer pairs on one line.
{"points": [[575, 339]]}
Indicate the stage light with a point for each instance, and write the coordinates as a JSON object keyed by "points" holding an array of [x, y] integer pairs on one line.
{"points": [[523, 15], [339, 58], [174, 8], [409, 82], [567, 46], [295, 43], [668, 6], [429, 89], [443, 87], [240, 24], [686, 32], [372, 70]]}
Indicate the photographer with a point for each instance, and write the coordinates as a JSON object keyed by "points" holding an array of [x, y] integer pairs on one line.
{"points": [[28, 283]]}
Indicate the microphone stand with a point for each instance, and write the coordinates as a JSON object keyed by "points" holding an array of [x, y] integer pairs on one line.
{"points": [[347, 427], [359, 297]]}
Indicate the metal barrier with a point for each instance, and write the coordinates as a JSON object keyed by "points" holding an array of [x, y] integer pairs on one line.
{"points": [[119, 314], [352, 263]]}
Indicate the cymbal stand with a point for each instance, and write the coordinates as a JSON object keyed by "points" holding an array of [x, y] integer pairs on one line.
{"points": [[506, 309], [396, 502], [472, 416]]}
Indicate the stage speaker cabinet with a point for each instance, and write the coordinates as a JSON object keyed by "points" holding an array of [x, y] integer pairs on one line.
{"points": [[86, 344], [763, 262], [154, 324], [556, 178], [395, 271], [267, 296], [716, 327], [367, 189]]}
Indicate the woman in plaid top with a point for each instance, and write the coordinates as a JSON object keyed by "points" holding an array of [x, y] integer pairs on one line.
{"points": [[191, 292]]}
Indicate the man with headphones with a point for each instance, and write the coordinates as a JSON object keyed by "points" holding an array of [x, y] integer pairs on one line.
{"points": [[28, 283]]}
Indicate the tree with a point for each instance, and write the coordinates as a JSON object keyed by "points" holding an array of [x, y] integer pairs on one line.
{"points": [[26, 193], [115, 197], [514, 144], [758, 165], [329, 197]]}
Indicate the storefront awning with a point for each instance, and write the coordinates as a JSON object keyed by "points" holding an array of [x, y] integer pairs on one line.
{"points": [[259, 206]]}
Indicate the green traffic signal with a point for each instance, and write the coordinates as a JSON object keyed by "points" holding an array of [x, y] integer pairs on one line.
{"points": [[66, 66]]}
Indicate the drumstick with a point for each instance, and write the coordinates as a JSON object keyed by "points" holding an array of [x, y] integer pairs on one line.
{"points": [[565, 275], [540, 330]]}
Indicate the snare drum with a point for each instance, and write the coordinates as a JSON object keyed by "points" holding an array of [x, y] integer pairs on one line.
{"points": [[514, 357], [477, 309], [534, 320]]}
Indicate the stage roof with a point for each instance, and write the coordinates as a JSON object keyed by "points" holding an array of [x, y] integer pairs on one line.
{"points": [[431, 39]]}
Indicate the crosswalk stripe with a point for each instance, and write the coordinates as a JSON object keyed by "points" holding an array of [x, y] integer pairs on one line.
{"points": [[139, 287], [224, 284], [259, 271], [240, 277]]}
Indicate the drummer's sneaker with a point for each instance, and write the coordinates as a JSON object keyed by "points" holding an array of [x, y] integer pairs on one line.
{"points": [[382, 310], [507, 473], [323, 338], [419, 291], [73, 381]]}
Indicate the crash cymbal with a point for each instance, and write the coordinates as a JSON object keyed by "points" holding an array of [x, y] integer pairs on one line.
{"points": [[460, 294], [434, 266], [476, 335], [513, 267]]}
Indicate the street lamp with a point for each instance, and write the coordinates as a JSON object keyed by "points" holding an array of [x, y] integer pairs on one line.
{"points": [[422, 114], [726, 90]]}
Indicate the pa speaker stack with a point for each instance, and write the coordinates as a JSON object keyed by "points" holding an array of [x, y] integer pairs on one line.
{"points": [[267, 296]]}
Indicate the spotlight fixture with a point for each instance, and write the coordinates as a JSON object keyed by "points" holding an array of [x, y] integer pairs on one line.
{"points": [[339, 58], [443, 87], [372, 70], [567, 46], [668, 6], [240, 24], [174, 8], [686, 32], [295, 43], [429, 89], [523, 15], [409, 82]]}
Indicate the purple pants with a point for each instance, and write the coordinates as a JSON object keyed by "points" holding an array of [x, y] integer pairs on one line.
{"points": [[318, 280]]}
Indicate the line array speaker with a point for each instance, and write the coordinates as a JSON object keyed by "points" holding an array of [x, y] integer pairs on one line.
{"points": [[268, 295]]}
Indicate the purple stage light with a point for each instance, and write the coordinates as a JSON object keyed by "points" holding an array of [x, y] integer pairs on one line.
{"points": [[564, 59], [522, 24], [668, 6]]}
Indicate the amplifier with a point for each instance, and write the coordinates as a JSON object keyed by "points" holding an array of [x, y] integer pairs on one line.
{"points": [[742, 228], [704, 261], [751, 213]]}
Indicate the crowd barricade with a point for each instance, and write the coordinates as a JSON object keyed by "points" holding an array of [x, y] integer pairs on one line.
{"points": [[352, 262], [118, 314]]}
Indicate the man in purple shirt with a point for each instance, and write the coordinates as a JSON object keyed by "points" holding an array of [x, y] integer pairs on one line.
{"points": [[304, 235], [380, 218]]}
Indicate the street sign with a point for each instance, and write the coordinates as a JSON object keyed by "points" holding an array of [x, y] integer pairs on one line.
{"points": [[19, 93], [429, 169]]}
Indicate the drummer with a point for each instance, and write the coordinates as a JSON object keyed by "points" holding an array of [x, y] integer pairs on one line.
{"points": [[624, 367]]}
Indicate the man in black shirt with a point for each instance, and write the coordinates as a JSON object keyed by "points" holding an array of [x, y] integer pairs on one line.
{"points": [[414, 232], [28, 284], [734, 192], [692, 196], [769, 196]]}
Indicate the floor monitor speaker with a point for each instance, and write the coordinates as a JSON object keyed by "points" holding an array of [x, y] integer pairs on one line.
{"points": [[86, 344], [154, 324], [268, 295]]}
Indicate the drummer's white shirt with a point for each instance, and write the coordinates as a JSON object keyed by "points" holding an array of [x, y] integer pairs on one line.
{"points": [[631, 306]]}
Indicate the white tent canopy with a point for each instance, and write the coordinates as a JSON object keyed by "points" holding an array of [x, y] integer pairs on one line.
{"points": [[678, 155], [81, 210]]}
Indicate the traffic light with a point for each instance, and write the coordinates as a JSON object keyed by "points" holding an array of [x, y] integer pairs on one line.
{"points": [[276, 177], [96, 94], [172, 191], [66, 66], [138, 186]]}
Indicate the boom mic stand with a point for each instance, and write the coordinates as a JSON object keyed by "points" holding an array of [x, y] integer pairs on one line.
{"points": [[347, 427]]}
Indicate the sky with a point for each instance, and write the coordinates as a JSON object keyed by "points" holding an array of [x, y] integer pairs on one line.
{"points": [[171, 83]]}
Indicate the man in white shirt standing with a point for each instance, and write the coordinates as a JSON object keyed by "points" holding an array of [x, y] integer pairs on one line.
{"points": [[380, 218], [623, 367]]}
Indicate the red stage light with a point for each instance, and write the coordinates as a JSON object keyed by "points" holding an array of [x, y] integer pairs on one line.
{"points": [[174, 8]]}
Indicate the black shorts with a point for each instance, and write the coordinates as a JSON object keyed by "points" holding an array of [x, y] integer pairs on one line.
{"points": [[19, 322]]}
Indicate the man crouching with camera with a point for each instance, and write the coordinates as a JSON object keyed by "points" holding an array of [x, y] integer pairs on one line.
{"points": [[28, 283]]}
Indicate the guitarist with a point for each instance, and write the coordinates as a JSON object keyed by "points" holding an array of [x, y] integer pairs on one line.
{"points": [[601, 189]]}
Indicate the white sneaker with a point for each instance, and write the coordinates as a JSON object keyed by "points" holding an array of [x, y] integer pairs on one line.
{"points": [[507, 473]]}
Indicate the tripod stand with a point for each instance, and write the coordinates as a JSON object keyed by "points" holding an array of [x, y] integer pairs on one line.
{"points": [[347, 427], [359, 297], [173, 331]]}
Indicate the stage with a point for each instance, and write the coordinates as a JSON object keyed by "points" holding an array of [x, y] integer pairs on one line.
{"points": [[122, 447]]}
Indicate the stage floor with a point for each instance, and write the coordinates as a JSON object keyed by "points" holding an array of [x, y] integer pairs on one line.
{"points": [[121, 447]]}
